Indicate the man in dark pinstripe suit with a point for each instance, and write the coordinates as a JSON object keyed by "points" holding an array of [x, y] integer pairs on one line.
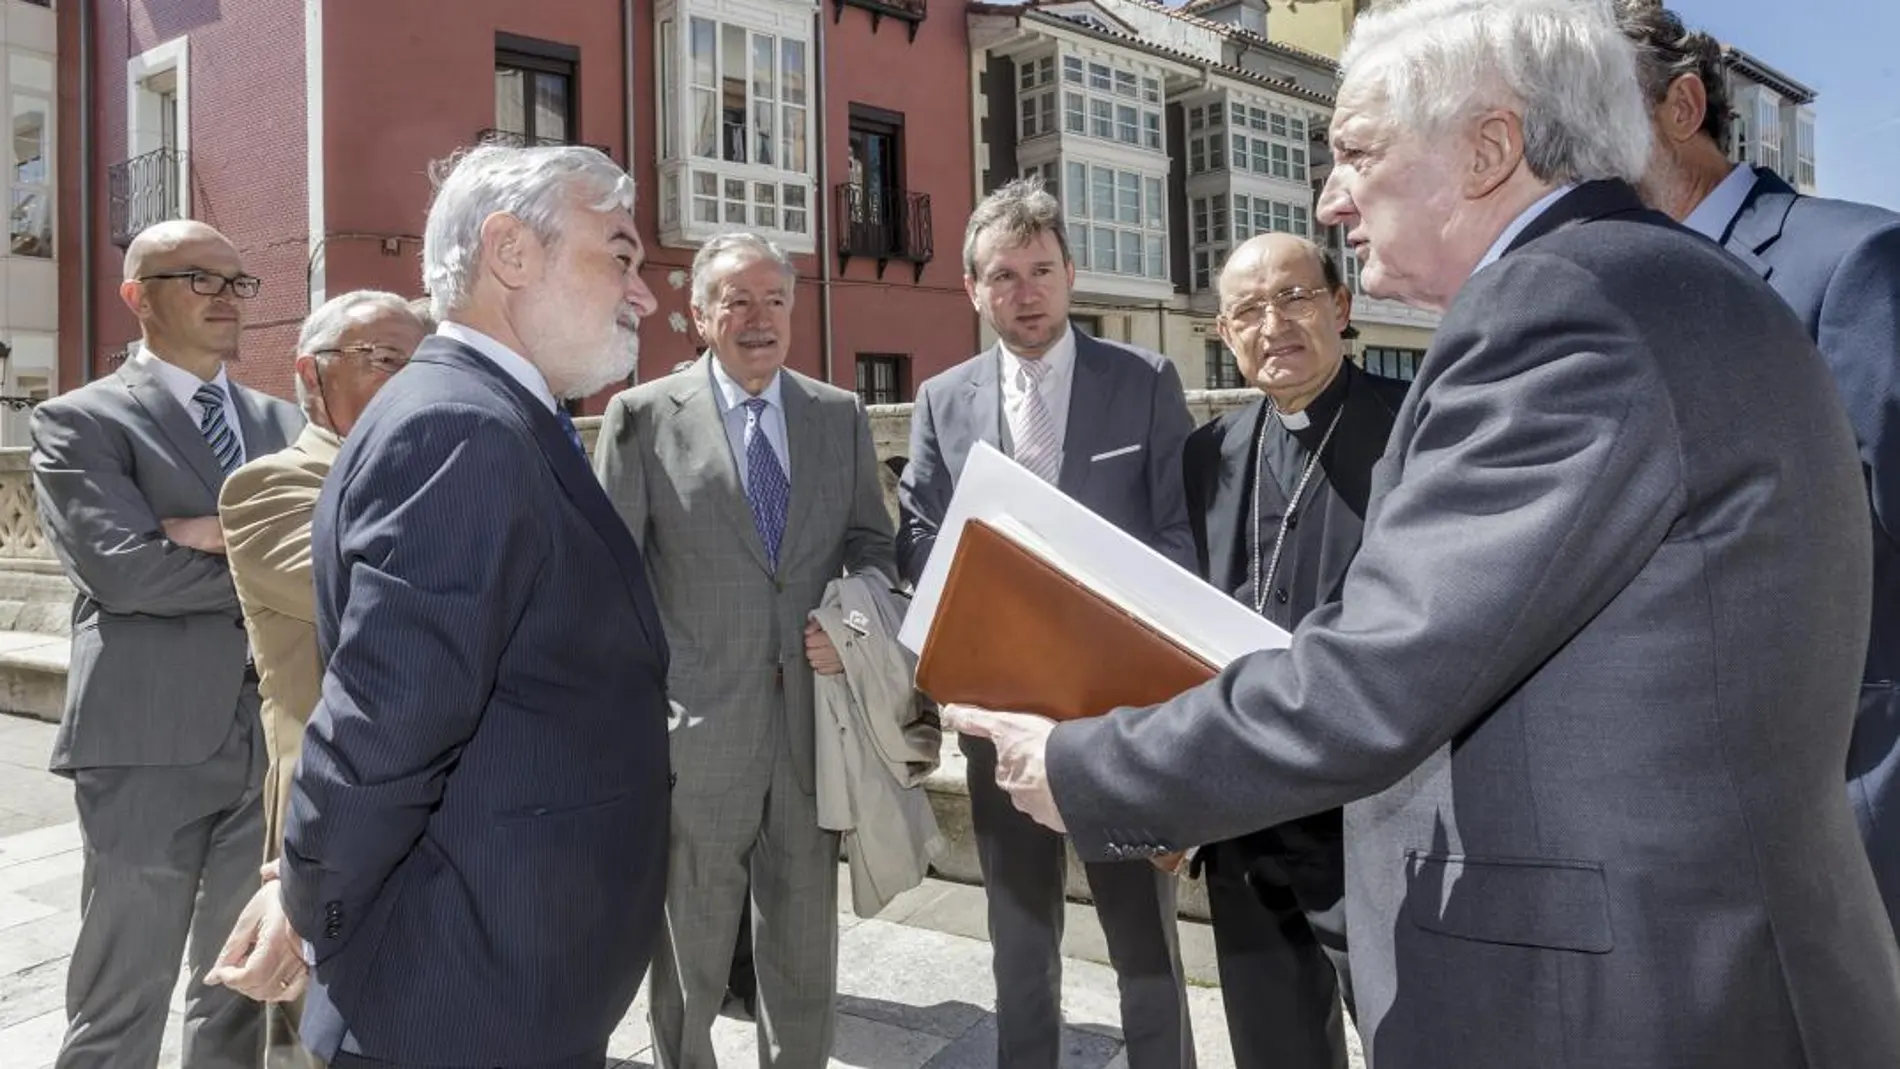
{"points": [[475, 853]]}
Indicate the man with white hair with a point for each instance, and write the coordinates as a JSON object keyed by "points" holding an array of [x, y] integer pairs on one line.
{"points": [[475, 851], [1589, 683], [750, 487], [347, 350]]}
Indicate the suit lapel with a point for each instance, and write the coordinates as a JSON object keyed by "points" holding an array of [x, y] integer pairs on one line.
{"points": [[1089, 393], [174, 421], [802, 442], [1232, 494], [985, 404], [711, 456], [261, 436], [573, 473], [1759, 223]]}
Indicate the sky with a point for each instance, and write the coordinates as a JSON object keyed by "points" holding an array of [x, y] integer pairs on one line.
{"points": [[1848, 52]]}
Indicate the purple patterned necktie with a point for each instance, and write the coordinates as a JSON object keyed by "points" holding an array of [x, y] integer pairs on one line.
{"points": [[767, 489]]}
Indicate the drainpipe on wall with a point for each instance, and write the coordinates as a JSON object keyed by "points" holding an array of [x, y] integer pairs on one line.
{"points": [[626, 101], [86, 334], [824, 202]]}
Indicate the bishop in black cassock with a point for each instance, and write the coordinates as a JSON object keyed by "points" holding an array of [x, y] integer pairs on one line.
{"points": [[1277, 495]]}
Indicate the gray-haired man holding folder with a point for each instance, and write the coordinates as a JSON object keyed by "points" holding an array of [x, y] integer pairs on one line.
{"points": [[1105, 424]]}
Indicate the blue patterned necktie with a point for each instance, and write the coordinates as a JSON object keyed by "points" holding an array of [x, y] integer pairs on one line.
{"points": [[767, 488], [217, 431], [573, 433]]}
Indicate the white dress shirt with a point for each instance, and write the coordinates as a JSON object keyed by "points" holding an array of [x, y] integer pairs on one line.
{"points": [[1523, 220], [1717, 210], [1055, 386], [513, 364], [183, 384], [732, 414]]}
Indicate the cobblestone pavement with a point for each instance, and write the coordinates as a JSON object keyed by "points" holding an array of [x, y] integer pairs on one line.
{"points": [[914, 983]]}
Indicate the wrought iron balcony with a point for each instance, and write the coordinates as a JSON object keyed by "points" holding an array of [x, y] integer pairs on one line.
{"points": [[511, 139], [887, 225], [145, 190], [910, 12]]}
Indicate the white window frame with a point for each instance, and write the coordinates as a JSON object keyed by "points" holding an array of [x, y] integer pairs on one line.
{"points": [[767, 195], [1121, 105], [1142, 218], [144, 127], [48, 184]]}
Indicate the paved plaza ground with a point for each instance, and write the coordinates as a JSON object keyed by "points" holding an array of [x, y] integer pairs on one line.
{"points": [[915, 986]]}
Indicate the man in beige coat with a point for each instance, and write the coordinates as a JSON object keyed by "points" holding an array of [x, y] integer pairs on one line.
{"points": [[348, 348]]}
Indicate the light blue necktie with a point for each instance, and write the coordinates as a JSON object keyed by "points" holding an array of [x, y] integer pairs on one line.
{"points": [[767, 488], [218, 433]]}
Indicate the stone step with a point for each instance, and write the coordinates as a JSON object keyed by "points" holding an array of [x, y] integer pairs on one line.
{"points": [[33, 674]]}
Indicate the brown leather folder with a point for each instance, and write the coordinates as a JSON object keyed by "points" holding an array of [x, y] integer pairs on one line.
{"points": [[1013, 632]]}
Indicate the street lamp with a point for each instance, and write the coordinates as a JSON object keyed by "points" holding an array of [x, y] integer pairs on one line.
{"points": [[17, 404]]}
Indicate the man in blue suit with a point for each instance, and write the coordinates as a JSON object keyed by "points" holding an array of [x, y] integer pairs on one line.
{"points": [[1838, 264], [475, 853]]}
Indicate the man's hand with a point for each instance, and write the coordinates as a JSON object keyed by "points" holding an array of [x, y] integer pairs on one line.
{"points": [[201, 533], [263, 958], [1020, 740], [820, 652]]}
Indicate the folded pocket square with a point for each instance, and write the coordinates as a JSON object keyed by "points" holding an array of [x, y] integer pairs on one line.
{"points": [[1113, 453]]}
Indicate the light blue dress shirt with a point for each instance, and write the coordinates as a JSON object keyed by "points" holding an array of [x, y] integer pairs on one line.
{"points": [[1712, 217], [1523, 220], [731, 398]]}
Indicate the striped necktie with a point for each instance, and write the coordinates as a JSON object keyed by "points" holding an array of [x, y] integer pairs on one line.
{"points": [[216, 429], [1037, 446]]}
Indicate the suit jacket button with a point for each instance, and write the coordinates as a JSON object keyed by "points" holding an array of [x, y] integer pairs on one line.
{"points": [[672, 780], [239, 622], [1280, 595]]}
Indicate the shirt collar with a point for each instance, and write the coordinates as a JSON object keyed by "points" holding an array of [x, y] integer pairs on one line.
{"points": [[1059, 358], [177, 381], [1717, 210], [1311, 421], [732, 395], [1523, 220], [513, 364]]}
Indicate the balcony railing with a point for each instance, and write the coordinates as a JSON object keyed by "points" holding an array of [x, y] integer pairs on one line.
{"points": [[887, 225], [511, 139], [145, 190], [910, 12]]}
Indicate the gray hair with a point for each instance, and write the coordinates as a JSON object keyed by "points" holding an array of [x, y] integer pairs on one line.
{"points": [[1561, 65], [742, 247], [1021, 209], [325, 326], [531, 184]]}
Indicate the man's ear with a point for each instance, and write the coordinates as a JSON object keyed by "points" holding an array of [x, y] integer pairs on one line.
{"points": [[1497, 150], [132, 293], [510, 251], [1685, 104]]}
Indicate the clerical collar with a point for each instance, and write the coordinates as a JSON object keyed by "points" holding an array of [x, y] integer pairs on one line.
{"points": [[1311, 420]]}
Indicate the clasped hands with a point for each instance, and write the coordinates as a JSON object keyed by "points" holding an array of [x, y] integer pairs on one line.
{"points": [[263, 958]]}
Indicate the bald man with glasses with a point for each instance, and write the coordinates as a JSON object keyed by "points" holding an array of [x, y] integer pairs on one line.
{"points": [[160, 735]]}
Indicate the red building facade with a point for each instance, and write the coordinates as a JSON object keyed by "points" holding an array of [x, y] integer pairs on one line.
{"points": [[306, 130]]}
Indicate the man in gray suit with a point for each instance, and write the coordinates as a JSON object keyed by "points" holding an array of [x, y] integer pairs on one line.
{"points": [[749, 487], [161, 735], [1105, 423], [1589, 684]]}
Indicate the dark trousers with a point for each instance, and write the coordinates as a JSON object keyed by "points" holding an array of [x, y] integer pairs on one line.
{"points": [[1280, 945], [357, 1061], [1024, 865]]}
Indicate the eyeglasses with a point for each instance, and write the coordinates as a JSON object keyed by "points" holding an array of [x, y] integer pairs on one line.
{"points": [[212, 284], [1294, 302], [385, 358]]}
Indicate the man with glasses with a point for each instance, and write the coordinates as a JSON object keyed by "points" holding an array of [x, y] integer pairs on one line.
{"points": [[1277, 495], [348, 349], [160, 731]]}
